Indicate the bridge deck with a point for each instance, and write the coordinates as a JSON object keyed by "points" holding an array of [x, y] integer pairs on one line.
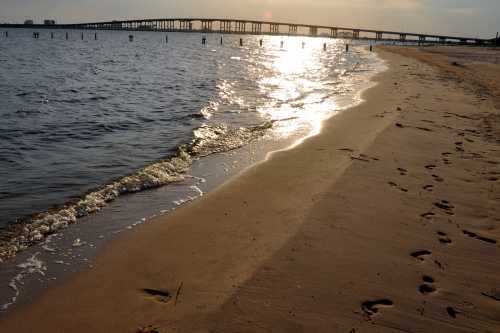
{"points": [[237, 26]]}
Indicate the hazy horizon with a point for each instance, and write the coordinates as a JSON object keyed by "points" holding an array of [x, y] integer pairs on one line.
{"points": [[453, 17]]}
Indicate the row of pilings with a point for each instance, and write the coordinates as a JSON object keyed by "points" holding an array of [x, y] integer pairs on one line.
{"points": [[36, 35]]}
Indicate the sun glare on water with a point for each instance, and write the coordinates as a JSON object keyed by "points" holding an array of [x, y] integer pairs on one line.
{"points": [[299, 86]]}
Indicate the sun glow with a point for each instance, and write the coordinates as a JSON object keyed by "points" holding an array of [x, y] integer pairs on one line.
{"points": [[299, 99]]}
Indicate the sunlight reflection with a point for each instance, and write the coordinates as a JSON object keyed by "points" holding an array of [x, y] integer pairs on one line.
{"points": [[298, 95]]}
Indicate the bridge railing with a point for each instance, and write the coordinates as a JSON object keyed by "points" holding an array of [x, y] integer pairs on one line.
{"points": [[238, 26]]}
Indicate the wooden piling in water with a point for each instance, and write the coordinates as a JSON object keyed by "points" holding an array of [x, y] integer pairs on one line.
{"points": [[282, 44], [241, 41], [371, 48], [95, 36], [324, 47], [67, 36], [347, 47], [221, 40], [166, 39], [261, 42], [51, 35], [204, 40], [130, 38]]}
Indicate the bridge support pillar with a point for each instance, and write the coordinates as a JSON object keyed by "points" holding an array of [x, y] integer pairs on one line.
{"points": [[186, 25], [257, 28], [402, 37], [292, 29], [240, 26], [225, 26], [274, 28], [170, 25], [334, 32], [206, 25], [379, 35], [313, 31], [355, 34]]}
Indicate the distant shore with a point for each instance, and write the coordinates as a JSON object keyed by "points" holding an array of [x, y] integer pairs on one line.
{"points": [[386, 221]]}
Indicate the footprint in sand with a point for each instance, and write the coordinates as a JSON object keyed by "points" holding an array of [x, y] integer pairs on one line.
{"points": [[443, 238], [478, 237], [372, 307], [394, 185], [438, 178], [420, 254], [493, 294], [459, 146], [157, 295], [452, 312], [446, 206], [430, 167], [446, 161], [428, 215], [149, 329], [402, 172], [428, 188], [428, 286]]}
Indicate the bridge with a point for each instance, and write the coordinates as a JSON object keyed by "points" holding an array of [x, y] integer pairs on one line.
{"points": [[251, 27]]}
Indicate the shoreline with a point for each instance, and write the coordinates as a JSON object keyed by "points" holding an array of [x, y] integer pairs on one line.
{"points": [[24, 231], [65, 253], [316, 238]]}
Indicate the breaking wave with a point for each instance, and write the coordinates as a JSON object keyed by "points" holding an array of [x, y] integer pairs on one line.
{"points": [[208, 139]]}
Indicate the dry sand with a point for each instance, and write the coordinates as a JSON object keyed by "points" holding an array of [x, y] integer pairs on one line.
{"points": [[387, 221]]}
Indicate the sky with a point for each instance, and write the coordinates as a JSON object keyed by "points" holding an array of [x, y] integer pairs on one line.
{"points": [[479, 18]]}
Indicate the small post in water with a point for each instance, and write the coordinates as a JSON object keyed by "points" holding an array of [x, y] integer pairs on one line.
{"points": [[51, 35], [82, 35], [7, 34], [241, 41], [371, 48], [303, 44], [220, 40], [261, 42], [67, 35], [204, 40], [95, 36], [282, 43], [347, 47], [130, 38], [324, 47], [166, 39]]}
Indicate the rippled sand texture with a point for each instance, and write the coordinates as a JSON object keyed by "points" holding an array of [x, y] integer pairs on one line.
{"points": [[385, 222]]}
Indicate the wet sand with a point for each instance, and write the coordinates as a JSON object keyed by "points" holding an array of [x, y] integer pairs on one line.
{"points": [[387, 221]]}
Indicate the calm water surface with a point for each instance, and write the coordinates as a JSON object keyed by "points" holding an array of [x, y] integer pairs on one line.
{"points": [[78, 114], [77, 117]]}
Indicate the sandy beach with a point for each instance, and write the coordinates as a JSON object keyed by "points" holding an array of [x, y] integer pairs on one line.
{"points": [[387, 221]]}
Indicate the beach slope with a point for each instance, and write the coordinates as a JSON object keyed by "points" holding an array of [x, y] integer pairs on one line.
{"points": [[386, 221]]}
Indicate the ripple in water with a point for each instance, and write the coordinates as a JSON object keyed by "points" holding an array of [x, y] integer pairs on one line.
{"points": [[109, 117]]}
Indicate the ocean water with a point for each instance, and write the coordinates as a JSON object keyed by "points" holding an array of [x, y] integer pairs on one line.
{"points": [[84, 123]]}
